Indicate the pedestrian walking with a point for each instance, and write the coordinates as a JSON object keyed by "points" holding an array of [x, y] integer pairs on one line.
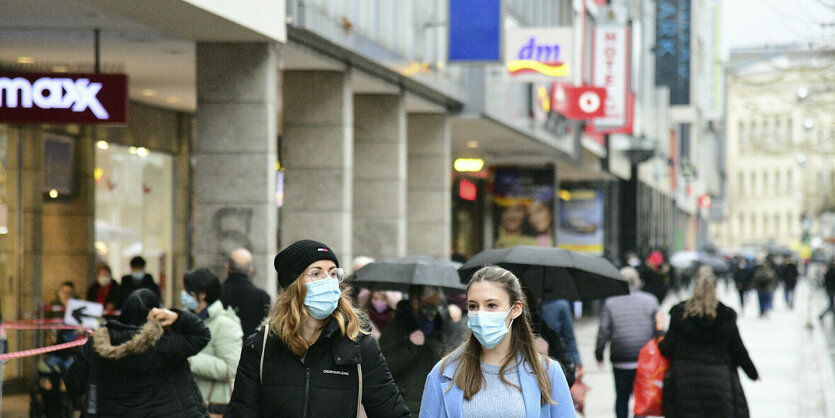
{"points": [[829, 286], [789, 276], [655, 274], [765, 281], [496, 372], [743, 270], [626, 323], [414, 341], [215, 366], [137, 366], [250, 303], [705, 349], [558, 316], [105, 290], [314, 355], [137, 279]]}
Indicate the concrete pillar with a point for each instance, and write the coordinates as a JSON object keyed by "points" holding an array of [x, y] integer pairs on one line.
{"points": [[317, 156], [234, 157], [379, 176], [429, 186]]}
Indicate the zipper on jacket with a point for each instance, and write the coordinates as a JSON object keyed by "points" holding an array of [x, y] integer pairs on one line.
{"points": [[306, 390]]}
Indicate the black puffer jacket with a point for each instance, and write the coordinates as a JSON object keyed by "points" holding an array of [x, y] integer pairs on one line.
{"points": [[702, 380], [127, 371], [322, 384]]}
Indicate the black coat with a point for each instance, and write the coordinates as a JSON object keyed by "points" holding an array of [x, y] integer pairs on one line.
{"points": [[127, 371], [112, 295], [411, 363], [702, 380], [250, 303], [322, 384], [556, 346], [128, 286]]}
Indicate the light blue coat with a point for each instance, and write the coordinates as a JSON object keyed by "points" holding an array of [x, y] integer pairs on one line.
{"points": [[439, 402]]}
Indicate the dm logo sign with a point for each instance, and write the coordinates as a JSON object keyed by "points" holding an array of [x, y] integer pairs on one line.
{"points": [[534, 54]]}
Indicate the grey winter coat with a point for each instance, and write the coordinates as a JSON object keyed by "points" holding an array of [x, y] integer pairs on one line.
{"points": [[628, 322]]}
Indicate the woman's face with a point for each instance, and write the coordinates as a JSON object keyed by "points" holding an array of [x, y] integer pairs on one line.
{"points": [[539, 216], [512, 218], [489, 297], [377, 295], [316, 270]]}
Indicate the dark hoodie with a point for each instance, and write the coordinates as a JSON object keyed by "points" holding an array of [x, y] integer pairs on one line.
{"points": [[131, 371], [702, 380], [409, 364]]}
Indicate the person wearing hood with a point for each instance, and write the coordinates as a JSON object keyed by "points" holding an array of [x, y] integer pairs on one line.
{"points": [[213, 367], [313, 356], [104, 290], [414, 341], [705, 349], [137, 366], [137, 279]]}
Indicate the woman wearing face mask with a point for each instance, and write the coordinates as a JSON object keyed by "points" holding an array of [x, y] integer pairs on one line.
{"points": [[379, 311], [213, 367], [317, 359], [104, 290], [496, 372]]}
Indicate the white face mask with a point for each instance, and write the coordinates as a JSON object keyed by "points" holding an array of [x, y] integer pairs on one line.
{"points": [[103, 279]]}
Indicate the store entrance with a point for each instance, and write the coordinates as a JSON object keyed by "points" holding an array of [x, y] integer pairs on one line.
{"points": [[134, 211]]}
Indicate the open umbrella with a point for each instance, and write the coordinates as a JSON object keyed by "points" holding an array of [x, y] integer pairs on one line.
{"points": [[684, 259], [717, 263], [400, 273], [553, 273]]}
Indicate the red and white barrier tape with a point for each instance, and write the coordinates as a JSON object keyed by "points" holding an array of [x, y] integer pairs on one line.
{"points": [[42, 350]]}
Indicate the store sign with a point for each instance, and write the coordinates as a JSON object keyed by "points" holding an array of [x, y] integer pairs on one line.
{"points": [[610, 71], [532, 54], [475, 28], [64, 98], [578, 102], [672, 43]]}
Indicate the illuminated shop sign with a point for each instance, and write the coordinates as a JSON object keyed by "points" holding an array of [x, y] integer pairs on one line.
{"points": [[64, 98], [539, 52]]}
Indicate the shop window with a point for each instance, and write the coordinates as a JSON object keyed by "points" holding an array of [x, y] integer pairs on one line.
{"points": [[134, 211]]}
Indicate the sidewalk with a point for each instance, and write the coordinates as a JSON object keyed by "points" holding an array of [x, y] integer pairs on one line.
{"points": [[794, 362]]}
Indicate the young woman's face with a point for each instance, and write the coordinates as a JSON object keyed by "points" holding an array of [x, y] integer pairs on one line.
{"points": [[377, 295], [539, 216], [512, 218], [486, 296]]}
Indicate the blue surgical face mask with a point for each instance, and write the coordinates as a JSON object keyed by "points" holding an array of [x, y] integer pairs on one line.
{"points": [[322, 297], [139, 275], [488, 327], [189, 302]]}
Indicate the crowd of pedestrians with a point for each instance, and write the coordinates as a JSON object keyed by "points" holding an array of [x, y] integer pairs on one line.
{"points": [[494, 350]]}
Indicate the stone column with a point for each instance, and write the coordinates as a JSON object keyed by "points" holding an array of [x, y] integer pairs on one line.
{"points": [[234, 156], [429, 185], [379, 176], [317, 157]]}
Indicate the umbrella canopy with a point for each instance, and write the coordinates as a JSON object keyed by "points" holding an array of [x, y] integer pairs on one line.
{"points": [[400, 273], [553, 273], [717, 263], [684, 259]]}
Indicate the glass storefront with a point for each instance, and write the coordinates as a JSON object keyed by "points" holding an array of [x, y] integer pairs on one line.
{"points": [[134, 211]]}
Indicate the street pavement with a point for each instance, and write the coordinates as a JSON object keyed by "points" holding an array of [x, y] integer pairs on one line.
{"points": [[792, 350]]}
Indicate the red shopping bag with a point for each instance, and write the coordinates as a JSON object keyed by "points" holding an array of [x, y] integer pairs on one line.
{"points": [[578, 394], [649, 380]]}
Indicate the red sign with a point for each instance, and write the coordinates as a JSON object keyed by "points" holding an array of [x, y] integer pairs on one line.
{"points": [[704, 201], [625, 129], [64, 98], [578, 102]]}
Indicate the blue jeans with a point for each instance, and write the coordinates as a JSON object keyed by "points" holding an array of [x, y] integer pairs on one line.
{"points": [[766, 298], [624, 381]]}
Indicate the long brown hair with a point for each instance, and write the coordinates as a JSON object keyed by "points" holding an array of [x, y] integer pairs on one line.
{"points": [[288, 313], [467, 375]]}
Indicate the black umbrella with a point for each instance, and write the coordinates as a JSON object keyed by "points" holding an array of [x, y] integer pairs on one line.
{"points": [[553, 273], [718, 264], [400, 273]]}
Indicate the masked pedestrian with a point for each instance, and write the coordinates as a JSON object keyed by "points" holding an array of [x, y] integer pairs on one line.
{"points": [[496, 372], [314, 355]]}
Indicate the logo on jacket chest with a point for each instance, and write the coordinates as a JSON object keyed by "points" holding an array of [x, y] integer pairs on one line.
{"points": [[339, 372]]}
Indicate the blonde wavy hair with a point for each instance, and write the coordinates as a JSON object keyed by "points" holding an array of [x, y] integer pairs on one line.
{"points": [[288, 313], [704, 302]]}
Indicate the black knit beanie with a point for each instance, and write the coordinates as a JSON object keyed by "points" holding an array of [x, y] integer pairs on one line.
{"points": [[291, 261]]}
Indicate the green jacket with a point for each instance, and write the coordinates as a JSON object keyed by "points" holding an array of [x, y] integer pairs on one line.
{"points": [[214, 367]]}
